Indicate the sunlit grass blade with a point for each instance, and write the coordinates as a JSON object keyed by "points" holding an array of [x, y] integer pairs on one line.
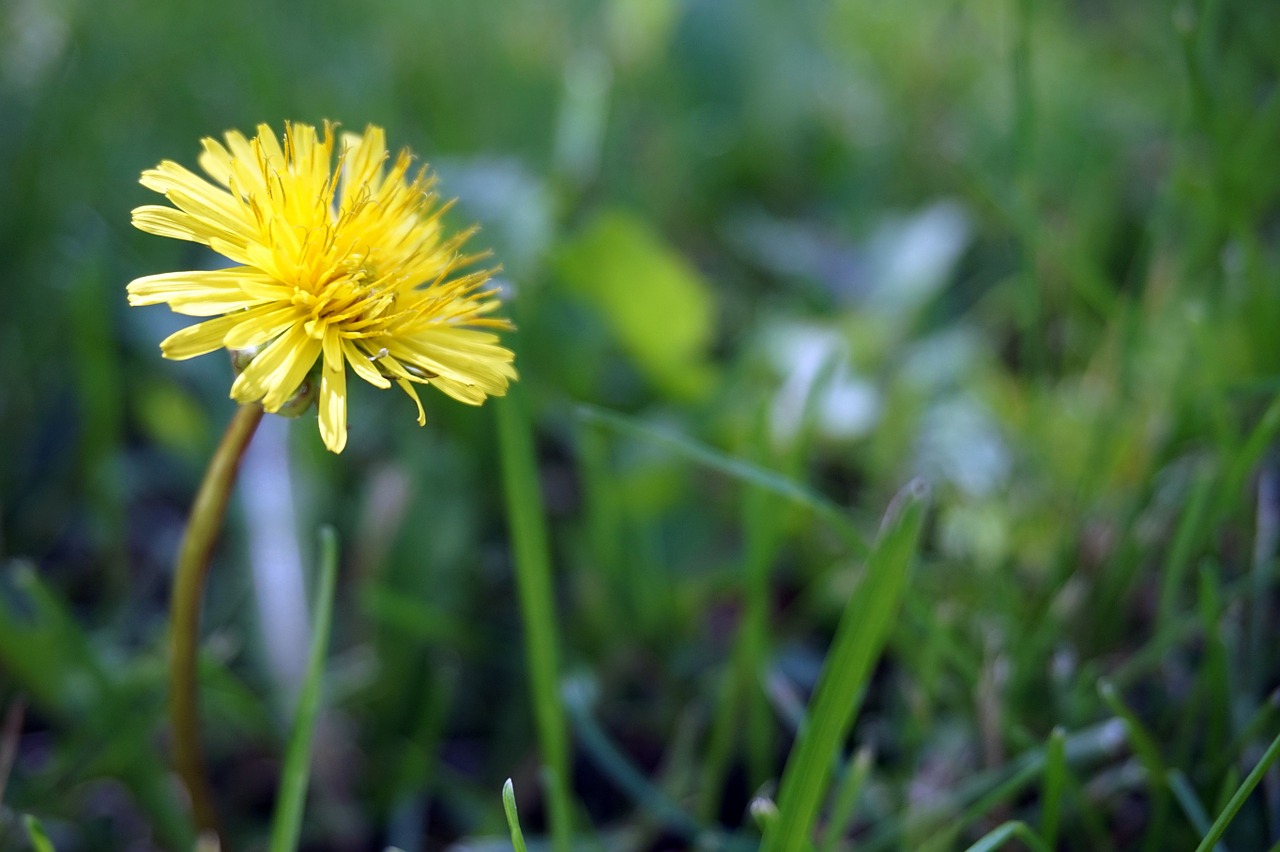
{"points": [[863, 631], [527, 521], [513, 818], [35, 833], [1237, 800], [997, 838], [287, 823], [737, 468]]}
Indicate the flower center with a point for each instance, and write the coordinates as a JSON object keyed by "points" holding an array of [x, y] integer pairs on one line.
{"points": [[355, 298]]}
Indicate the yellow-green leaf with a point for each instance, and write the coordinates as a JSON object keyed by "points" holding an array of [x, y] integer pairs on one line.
{"points": [[655, 303]]}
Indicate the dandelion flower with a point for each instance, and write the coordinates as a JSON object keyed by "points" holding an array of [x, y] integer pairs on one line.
{"points": [[341, 265]]}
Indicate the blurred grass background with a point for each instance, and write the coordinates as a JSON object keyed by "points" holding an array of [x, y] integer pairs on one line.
{"points": [[1025, 250]]}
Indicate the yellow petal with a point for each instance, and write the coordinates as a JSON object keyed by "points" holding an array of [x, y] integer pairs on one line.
{"points": [[268, 146], [337, 264], [199, 338], [333, 401], [167, 222], [269, 323], [469, 394], [363, 365], [215, 160], [363, 158], [275, 372], [413, 394], [486, 366], [197, 293], [197, 196]]}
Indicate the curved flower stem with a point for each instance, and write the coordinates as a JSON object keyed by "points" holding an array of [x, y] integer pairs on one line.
{"points": [[184, 611]]}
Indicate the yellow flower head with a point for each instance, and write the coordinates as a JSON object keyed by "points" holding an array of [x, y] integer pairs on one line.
{"points": [[344, 264]]}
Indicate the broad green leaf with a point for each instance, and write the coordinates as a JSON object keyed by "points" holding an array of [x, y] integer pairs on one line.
{"points": [[654, 302]]}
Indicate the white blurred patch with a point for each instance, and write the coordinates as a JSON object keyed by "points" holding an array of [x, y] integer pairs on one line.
{"points": [[944, 360], [584, 111], [912, 258], [799, 249], [846, 405], [513, 205], [960, 443], [266, 493], [34, 36]]}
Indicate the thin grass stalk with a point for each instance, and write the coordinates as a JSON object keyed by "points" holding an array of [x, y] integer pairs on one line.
{"points": [[1237, 800], [846, 799], [1148, 754], [744, 471], [203, 525], [286, 825], [975, 796], [999, 838], [863, 631], [527, 522], [1054, 785], [1185, 540]]}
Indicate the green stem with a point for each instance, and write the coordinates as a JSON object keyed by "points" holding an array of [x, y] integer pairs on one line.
{"points": [[184, 612], [537, 604]]}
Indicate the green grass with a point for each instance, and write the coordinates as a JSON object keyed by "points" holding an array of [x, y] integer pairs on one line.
{"points": [[863, 631], [286, 825], [769, 265]]}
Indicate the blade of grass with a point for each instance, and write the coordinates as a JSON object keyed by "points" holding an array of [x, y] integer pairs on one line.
{"points": [[1213, 675], [945, 836], [847, 798], [758, 476], [1144, 746], [1055, 781], [35, 833], [1220, 824], [764, 524], [1185, 539], [978, 794], [286, 825], [613, 610], [1245, 461], [513, 818], [610, 760], [1185, 795], [1248, 733], [863, 631], [1002, 834], [533, 580]]}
